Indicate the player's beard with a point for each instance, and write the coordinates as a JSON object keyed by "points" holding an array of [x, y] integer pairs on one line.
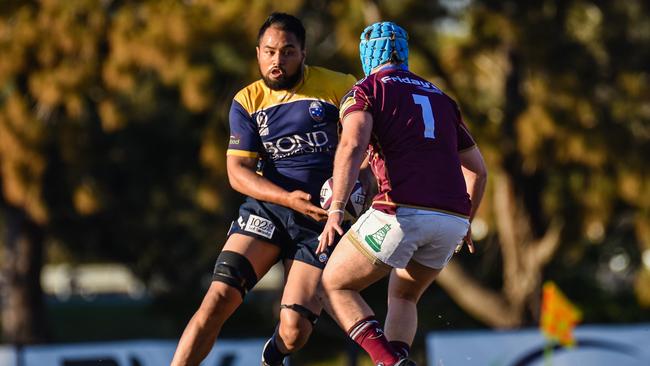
{"points": [[285, 82]]}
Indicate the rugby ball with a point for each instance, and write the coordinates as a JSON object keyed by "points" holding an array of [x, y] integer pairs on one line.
{"points": [[355, 203]]}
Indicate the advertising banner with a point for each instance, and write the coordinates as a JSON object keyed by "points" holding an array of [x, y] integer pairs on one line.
{"points": [[594, 346]]}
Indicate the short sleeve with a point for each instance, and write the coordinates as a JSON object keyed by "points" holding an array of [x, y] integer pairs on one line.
{"points": [[355, 100], [465, 139], [244, 137]]}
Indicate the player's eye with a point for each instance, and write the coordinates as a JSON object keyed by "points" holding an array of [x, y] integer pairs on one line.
{"points": [[288, 52]]}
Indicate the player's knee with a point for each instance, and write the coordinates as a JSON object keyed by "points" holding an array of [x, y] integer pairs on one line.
{"points": [[296, 324], [294, 330], [405, 295], [329, 281]]}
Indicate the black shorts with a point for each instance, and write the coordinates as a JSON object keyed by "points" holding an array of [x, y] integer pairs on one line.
{"points": [[295, 234]]}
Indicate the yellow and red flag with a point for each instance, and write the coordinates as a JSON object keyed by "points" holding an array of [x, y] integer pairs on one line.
{"points": [[559, 316]]}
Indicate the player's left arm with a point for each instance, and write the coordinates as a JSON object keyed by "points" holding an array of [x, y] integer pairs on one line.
{"points": [[368, 181], [350, 153], [475, 173]]}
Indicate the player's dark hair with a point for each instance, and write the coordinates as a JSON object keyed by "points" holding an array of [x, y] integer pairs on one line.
{"points": [[285, 22]]}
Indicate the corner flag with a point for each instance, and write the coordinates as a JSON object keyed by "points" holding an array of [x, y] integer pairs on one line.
{"points": [[559, 316]]}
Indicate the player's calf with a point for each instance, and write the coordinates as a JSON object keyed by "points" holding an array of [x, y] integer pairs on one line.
{"points": [[199, 335], [368, 334]]}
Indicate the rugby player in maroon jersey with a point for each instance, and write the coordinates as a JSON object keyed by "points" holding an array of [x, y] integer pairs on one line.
{"points": [[431, 178]]}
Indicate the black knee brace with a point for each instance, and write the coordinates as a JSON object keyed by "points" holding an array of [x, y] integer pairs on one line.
{"points": [[303, 311], [235, 270]]}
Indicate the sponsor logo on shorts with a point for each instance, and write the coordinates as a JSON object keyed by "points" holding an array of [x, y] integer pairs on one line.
{"points": [[377, 239], [241, 222], [260, 226], [322, 257]]}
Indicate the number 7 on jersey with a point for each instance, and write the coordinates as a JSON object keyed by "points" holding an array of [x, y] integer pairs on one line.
{"points": [[427, 115]]}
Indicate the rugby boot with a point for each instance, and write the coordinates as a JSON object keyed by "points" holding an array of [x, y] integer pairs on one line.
{"points": [[405, 362], [265, 351]]}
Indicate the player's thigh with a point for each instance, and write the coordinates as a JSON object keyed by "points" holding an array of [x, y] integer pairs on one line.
{"points": [[381, 237], [261, 254], [241, 256], [302, 285], [351, 269], [410, 283]]}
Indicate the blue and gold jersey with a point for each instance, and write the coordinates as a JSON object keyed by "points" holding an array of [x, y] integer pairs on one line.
{"points": [[292, 132]]}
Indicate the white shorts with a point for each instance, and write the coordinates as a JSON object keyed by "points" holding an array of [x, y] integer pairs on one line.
{"points": [[428, 237]]}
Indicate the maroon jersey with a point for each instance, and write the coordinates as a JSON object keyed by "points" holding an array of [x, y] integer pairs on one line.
{"points": [[416, 137]]}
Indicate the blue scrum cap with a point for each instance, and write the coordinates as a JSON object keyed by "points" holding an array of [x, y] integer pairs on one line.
{"points": [[383, 42]]}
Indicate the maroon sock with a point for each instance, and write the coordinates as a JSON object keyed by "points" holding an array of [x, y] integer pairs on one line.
{"points": [[401, 347], [368, 334]]}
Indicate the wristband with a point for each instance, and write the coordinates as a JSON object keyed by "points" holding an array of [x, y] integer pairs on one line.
{"points": [[337, 204], [335, 211]]}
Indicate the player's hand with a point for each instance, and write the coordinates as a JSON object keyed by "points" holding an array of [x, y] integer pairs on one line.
{"points": [[332, 227], [299, 201], [467, 240]]}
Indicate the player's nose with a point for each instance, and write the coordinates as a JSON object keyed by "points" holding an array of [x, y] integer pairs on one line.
{"points": [[277, 59]]}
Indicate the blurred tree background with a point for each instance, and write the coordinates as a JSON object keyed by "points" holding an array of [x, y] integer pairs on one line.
{"points": [[113, 130]]}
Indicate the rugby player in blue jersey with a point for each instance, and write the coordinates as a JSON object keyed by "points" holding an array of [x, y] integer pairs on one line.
{"points": [[283, 135]]}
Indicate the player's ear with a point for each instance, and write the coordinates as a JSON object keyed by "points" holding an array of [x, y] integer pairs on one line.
{"points": [[257, 50]]}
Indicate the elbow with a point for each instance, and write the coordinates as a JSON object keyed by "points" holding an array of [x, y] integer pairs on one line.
{"points": [[353, 148], [234, 182], [475, 174], [482, 174]]}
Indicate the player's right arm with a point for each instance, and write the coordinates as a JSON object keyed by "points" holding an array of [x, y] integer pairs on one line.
{"points": [[473, 169], [474, 172], [244, 179], [241, 163], [368, 181]]}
